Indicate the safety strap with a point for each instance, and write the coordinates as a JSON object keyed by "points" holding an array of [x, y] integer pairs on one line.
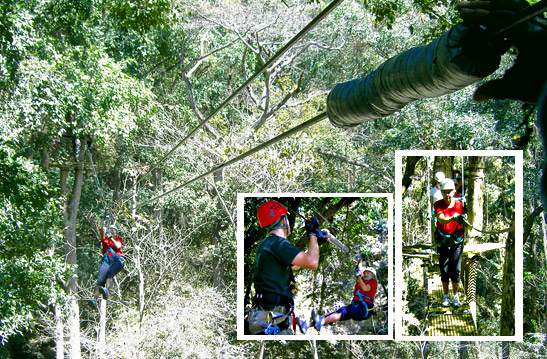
{"points": [[445, 238], [114, 256], [362, 298], [274, 329]]}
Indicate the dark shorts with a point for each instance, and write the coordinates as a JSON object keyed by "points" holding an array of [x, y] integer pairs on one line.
{"points": [[356, 311], [108, 271], [450, 262]]}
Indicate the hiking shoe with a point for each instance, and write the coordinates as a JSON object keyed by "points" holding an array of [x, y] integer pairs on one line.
{"points": [[446, 301], [318, 321], [456, 301], [303, 325], [93, 303], [104, 292]]}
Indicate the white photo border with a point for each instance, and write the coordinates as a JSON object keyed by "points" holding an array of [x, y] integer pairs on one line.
{"points": [[518, 241], [308, 336]]}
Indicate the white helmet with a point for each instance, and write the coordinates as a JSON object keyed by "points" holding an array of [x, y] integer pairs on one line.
{"points": [[370, 269], [113, 227], [439, 176], [447, 184]]}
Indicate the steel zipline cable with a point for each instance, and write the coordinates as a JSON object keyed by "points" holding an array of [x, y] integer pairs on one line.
{"points": [[268, 64], [254, 150]]}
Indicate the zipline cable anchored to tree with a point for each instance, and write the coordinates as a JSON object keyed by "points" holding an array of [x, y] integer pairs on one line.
{"points": [[254, 150], [268, 64]]}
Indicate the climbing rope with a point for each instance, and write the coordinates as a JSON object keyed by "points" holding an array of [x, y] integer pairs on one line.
{"points": [[268, 64], [487, 232]]}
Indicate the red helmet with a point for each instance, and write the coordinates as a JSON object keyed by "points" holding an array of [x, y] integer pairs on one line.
{"points": [[269, 212]]}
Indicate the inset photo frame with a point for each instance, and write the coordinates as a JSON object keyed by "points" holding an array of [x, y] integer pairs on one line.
{"points": [[314, 266], [458, 254]]}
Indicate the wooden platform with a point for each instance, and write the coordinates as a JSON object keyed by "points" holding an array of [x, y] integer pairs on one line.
{"points": [[448, 321], [454, 324]]}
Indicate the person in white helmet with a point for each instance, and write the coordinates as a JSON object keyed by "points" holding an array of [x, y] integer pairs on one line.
{"points": [[112, 262], [362, 304], [449, 238], [435, 192]]}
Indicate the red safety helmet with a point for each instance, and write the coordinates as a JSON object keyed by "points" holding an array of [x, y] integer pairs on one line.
{"points": [[269, 212]]}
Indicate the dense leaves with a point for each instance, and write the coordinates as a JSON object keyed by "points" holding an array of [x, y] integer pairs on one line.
{"points": [[31, 275], [137, 77]]}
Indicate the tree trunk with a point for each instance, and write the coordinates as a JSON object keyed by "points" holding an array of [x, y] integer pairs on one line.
{"points": [[444, 164], [313, 344], [475, 196], [102, 330], [475, 203], [59, 325], [260, 353], [409, 171], [71, 256], [507, 318], [463, 350], [59, 333]]}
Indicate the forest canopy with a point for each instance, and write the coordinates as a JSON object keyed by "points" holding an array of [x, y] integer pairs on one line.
{"points": [[102, 121]]}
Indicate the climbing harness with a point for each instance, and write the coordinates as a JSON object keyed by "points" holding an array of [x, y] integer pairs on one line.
{"points": [[362, 298], [273, 323], [448, 240], [110, 258]]}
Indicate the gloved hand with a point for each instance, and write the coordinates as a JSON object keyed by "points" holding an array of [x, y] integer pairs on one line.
{"points": [[312, 227], [524, 81], [461, 218], [358, 271]]}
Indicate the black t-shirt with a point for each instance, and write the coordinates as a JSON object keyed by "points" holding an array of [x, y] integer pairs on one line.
{"points": [[272, 266]]}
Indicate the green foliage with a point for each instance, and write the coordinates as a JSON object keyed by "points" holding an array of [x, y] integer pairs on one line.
{"points": [[140, 16], [31, 276], [113, 70]]}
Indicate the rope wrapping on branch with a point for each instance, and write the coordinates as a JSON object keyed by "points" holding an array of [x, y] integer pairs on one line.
{"points": [[438, 68]]}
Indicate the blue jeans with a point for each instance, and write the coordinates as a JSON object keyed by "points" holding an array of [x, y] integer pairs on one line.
{"points": [[109, 270], [356, 311]]}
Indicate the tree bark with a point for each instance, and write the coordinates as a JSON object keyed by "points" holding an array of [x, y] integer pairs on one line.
{"points": [[505, 350], [463, 350], [475, 196], [59, 325], [59, 333], [71, 255], [102, 330], [475, 204], [507, 317], [410, 167]]}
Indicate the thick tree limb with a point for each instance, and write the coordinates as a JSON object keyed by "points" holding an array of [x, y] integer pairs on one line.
{"points": [[529, 223], [411, 162]]}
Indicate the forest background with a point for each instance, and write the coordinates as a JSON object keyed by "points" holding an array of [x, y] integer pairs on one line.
{"points": [[130, 81]]}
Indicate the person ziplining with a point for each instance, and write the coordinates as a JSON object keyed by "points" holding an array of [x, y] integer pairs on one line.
{"points": [[362, 304], [112, 262]]}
